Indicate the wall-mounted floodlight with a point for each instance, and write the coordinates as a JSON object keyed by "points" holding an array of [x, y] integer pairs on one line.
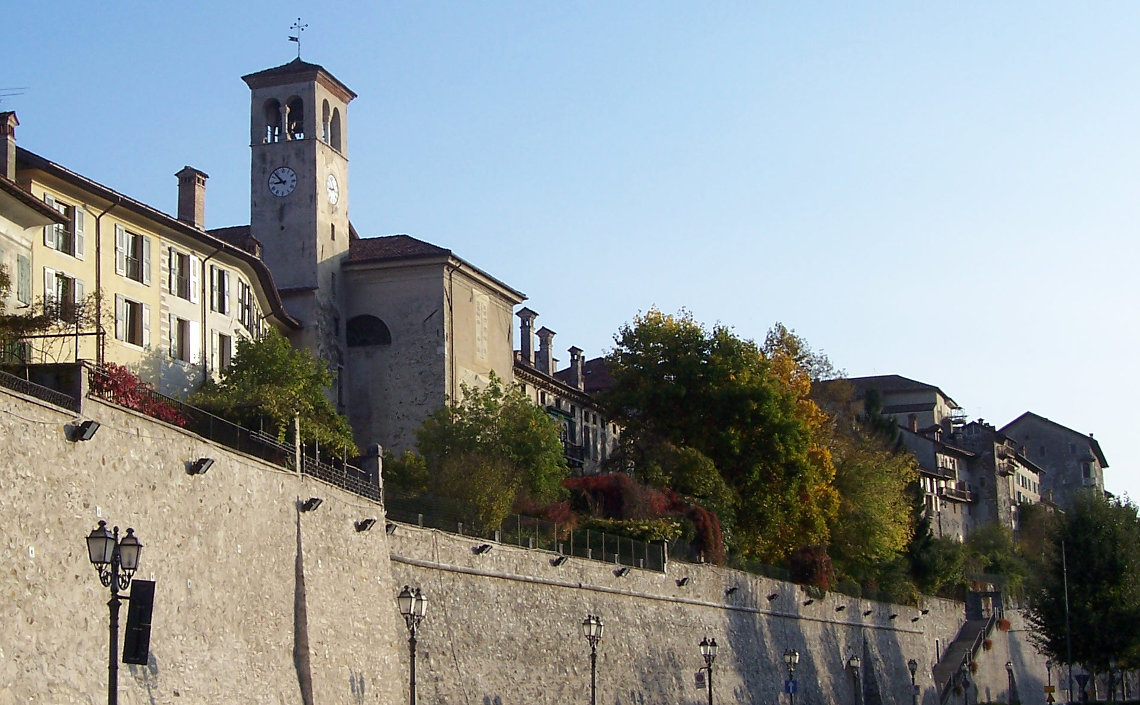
{"points": [[682, 582], [892, 616], [389, 528], [729, 591], [773, 596], [622, 571], [914, 619], [481, 549], [558, 561], [808, 601], [926, 611], [840, 608], [867, 613], [86, 430], [364, 524], [200, 466], [311, 503]]}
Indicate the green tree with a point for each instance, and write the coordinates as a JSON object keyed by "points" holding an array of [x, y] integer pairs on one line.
{"points": [[269, 382], [1098, 542], [493, 449], [746, 411]]}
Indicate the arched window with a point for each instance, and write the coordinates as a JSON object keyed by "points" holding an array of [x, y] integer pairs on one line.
{"points": [[295, 119], [272, 121], [325, 122], [334, 130], [362, 331]]}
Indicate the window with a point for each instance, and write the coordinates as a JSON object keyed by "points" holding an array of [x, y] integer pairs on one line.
{"points": [[132, 322], [219, 290], [184, 272], [132, 255], [23, 279], [366, 330], [295, 119], [185, 342], [66, 237], [222, 351], [63, 295], [272, 121], [1086, 470], [247, 308]]}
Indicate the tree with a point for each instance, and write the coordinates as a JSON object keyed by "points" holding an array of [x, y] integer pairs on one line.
{"points": [[492, 450], [269, 382], [1096, 550], [716, 393]]}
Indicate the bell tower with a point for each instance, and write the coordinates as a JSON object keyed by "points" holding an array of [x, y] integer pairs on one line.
{"points": [[299, 193]]}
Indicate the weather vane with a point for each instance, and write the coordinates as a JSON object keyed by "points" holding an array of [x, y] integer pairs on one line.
{"points": [[298, 28]]}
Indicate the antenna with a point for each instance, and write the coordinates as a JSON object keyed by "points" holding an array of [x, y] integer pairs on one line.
{"points": [[297, 28], [10, 92]]}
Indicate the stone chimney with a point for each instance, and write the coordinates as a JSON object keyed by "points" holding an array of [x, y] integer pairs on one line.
{"points": [[577, 379], [526, 334], [8, 124], [192, 197], [545, 362]]}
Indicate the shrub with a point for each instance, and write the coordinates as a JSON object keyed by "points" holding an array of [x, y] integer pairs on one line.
{"points": [[121, 386]]}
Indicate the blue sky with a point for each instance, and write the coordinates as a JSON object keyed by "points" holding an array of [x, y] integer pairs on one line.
{"points": [[945, 191]]}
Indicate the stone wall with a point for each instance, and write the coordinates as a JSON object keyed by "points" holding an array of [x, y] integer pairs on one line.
{"points": [[258, 602]]}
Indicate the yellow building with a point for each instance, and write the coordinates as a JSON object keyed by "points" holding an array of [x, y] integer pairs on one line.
{"points": [[137, 287]]}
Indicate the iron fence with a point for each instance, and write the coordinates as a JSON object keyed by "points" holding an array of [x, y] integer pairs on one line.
{"points": [[25, 386]]}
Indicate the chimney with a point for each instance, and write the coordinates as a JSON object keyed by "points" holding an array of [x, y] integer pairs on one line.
{"points": [[526, 334], [8, 124], [192, 197], [577, 379], [545, 362]]}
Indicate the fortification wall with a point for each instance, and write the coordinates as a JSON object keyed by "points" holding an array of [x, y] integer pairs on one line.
{"points": [[258, 602]]}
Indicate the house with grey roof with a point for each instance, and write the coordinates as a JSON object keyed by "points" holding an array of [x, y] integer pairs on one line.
{"points": [[1073, 461]]}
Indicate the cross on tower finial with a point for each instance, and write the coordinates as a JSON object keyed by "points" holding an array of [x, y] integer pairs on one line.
{"points": [[298, 28]]}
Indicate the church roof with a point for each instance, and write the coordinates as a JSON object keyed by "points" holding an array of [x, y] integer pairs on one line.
{"points": [[392, 247]]}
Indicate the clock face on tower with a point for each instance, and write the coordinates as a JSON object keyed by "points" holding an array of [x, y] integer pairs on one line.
{"points": [[332, 189], [282, 181]]}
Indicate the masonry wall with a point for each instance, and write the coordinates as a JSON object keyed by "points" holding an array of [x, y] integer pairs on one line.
{"points": [[257, 602]]}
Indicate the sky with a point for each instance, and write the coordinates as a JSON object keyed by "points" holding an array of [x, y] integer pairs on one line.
{"points": [[945, 191]]}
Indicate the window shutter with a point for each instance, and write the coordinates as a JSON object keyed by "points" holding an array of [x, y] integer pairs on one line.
{"points": [[50, 229], [79, 292], [195, 342], [146, 326], [146, 260], [213, 350], [172, 277], [49, 285], [23, 279], [120, 317], [120, 250], [195, 275], [78, 225], [172, 320], [226, 292]]}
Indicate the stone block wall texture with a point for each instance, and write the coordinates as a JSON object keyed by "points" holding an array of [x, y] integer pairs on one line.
{"points": [[258, 602]]}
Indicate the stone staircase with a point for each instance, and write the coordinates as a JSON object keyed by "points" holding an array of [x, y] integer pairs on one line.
{"points": [[959, 652]]}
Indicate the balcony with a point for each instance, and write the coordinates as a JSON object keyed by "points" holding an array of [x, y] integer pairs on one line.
{"points": [[957, 494]]}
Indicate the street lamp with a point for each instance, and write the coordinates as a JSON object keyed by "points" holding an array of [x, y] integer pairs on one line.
{"points": [[791, 658], [116, 562], [853, 663], [413, 605], [1009, 673], [708, 650], [912, 666], [592, 629]]}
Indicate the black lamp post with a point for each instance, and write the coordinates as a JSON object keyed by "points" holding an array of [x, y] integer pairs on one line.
{"points": [[413, 605], [853, 663], [116, 562], [1009, 675], [912, 666], [592, 629], [791, 658], [708, 650]]}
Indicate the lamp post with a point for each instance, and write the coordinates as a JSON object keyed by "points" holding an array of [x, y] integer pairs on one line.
{"points": [[413, 605], [708, 650], [1009, 675], [912, 666], [791, 658], [116, 562], [853, 664], [592, 629]]}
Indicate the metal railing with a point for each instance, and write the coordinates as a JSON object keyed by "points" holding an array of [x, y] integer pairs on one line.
{"points": [[23, 386], [528, 532], [142, 398]]}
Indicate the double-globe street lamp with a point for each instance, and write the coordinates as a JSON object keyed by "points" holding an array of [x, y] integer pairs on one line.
{"points": [[791, 658], [912, 666], [592, 629], [116, 561], [413, 605], [708, 651]]}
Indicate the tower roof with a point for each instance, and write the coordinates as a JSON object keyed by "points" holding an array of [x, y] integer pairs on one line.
{"points": [[296, 71]]}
